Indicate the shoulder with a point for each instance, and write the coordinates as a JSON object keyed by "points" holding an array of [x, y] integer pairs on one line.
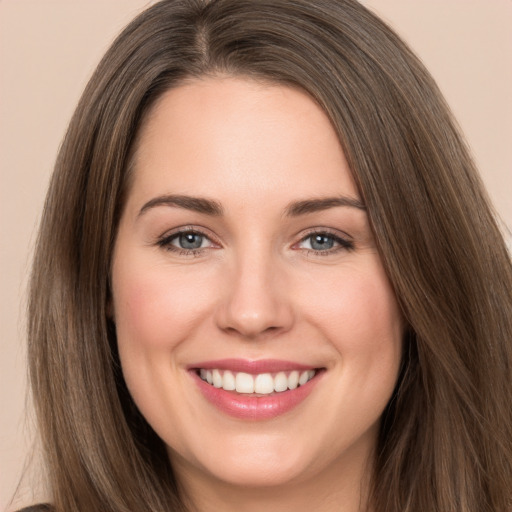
{"points": [[45, 507]]}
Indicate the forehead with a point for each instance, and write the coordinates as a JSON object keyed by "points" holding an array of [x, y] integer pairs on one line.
{"points": [[234, 136]]}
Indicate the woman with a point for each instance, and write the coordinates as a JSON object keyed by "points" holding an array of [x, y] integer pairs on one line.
{"points": [[268, 276]]}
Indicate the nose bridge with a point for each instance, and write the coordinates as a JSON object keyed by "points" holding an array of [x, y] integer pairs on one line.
{"points": [[256, 299]]}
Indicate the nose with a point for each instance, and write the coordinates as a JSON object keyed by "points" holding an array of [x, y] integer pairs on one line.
{"points": [[255, 301]]}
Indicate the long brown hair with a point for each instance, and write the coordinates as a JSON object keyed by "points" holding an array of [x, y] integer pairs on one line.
{"points": [[446, 437]]}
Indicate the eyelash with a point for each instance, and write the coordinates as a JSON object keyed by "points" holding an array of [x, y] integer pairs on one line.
{"points": [[165, 242], [343, 244]]}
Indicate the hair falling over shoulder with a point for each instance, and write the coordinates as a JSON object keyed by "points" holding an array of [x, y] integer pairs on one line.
{"points": [[446, 437]]}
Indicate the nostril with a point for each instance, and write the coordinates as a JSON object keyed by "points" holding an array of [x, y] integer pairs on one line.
{"points": [[255, 318]]}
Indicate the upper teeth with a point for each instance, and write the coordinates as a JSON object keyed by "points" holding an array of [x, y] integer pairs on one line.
{"points": [[263, 383]]}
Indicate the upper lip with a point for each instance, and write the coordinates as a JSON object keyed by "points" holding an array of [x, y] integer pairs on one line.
{"points": [[251, 366]]}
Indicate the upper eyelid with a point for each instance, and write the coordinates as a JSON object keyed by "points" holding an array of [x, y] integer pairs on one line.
{"points": [[327, 231], [187, 229], [338, 239]]}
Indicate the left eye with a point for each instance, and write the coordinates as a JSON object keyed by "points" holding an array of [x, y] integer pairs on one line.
{"points": [[323, 242]]}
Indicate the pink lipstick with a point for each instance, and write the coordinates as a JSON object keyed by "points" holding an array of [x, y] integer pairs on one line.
{"points": [[254, 390]]}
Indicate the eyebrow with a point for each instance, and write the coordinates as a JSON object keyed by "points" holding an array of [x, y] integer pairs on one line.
{"points": [[213, 208], [315, 205], [196, 204]]}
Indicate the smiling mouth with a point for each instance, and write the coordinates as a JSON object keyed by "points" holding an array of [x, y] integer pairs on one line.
{"points": [[255, 390], [262, 384]]}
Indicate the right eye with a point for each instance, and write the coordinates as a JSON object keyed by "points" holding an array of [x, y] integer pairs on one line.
{"points": [[189, 240], [186, 242]]}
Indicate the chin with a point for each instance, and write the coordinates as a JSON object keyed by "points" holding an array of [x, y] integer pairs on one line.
{"points": [[249, 462], [260, 472]]}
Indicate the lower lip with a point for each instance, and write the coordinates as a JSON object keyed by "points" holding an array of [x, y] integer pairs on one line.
{"points": [[255, 408]]}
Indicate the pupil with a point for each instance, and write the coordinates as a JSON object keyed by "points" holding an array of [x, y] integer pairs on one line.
{"points": [[321, 242], [190, 241]]}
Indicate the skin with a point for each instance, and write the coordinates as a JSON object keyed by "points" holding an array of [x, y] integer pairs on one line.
{"points": [[255, 290]]}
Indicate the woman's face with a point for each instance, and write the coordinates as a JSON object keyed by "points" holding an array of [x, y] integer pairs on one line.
{"points": [[244, 257]]}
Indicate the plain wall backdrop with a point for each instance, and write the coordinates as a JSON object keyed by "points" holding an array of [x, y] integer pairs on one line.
{"points": [[48, 50]]}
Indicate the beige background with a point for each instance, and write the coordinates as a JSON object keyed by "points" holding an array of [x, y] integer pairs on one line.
{"points": [[48, 49]]}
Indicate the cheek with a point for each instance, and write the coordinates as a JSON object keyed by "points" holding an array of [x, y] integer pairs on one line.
{"points": [[157, 307], [156, 310], [358, 313]]}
